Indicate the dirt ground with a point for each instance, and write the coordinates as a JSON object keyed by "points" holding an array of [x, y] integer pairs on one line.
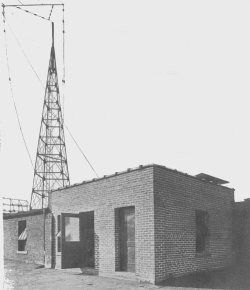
{"points": [[29, 276]]}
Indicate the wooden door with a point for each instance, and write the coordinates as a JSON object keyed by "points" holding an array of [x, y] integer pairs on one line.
{"points": [[87, 238], [71, 244], [127, 239]]}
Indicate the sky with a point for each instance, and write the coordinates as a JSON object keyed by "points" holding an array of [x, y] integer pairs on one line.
{"points": [[163, 82]]}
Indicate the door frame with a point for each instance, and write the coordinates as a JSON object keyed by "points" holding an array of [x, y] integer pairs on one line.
{"points": [[124, 243]]}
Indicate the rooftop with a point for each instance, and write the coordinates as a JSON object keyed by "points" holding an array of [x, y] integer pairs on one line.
{"points": [[202, 177]]}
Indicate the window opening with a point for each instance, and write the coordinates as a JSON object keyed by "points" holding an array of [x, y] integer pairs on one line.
{"points": [[202, 231], [22, 236]]}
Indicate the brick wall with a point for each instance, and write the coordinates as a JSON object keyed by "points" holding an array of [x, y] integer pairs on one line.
{"points": [[165, 203], [241, 227], [104, 196], [176, 197], [49, 240], [246, 234], [35, 239]]}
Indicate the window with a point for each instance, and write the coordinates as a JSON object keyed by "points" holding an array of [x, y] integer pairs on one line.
{"points": [[202, 231], [58, 233], [72, 229], [22, 236]]}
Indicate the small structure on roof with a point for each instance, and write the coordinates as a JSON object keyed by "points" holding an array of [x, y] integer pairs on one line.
{"points": [[210, 178]]}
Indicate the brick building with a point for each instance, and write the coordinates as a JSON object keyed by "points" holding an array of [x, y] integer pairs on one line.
{"points": [[150, 223], [27, 236]]}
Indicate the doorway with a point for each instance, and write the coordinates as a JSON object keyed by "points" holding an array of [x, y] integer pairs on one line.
{"points": [[127, 239]]}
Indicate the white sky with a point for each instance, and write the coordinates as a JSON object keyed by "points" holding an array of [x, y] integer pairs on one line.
{"points": [[163, 82]]}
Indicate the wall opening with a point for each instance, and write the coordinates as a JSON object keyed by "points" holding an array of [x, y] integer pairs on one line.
{"points": [[202, 231], [125, 239], [22, 236]]}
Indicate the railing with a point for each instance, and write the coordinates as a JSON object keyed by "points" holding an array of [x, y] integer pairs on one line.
{"points": [[12, 205]]}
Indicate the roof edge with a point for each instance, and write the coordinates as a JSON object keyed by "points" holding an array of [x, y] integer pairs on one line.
{"points": [[140, 167], [25, 213]]}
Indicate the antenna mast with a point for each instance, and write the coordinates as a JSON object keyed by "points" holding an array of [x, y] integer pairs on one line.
{"points": [[51, 168]]}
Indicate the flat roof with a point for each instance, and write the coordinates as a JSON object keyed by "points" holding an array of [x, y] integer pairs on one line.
{"points": [[25, 213], [140, 167]]}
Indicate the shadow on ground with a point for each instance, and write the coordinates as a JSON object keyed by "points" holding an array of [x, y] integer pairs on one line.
{"points": [[236, 277]]}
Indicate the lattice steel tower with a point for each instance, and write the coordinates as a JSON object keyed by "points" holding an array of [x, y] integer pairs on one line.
{"points": [[51, 168]]}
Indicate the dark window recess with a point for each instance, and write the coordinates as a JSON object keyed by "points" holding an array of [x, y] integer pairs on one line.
{"points": [[58, 236], [202, 231], [22, 236]]}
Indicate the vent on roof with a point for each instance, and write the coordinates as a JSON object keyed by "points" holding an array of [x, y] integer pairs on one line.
{"points": [[211, 179]]}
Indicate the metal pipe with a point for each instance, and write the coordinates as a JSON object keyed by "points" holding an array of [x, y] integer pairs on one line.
{"points": [[44, 248]]}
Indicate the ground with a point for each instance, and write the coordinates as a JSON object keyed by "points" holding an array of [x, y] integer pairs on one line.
{"points": [[29, 276]]}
